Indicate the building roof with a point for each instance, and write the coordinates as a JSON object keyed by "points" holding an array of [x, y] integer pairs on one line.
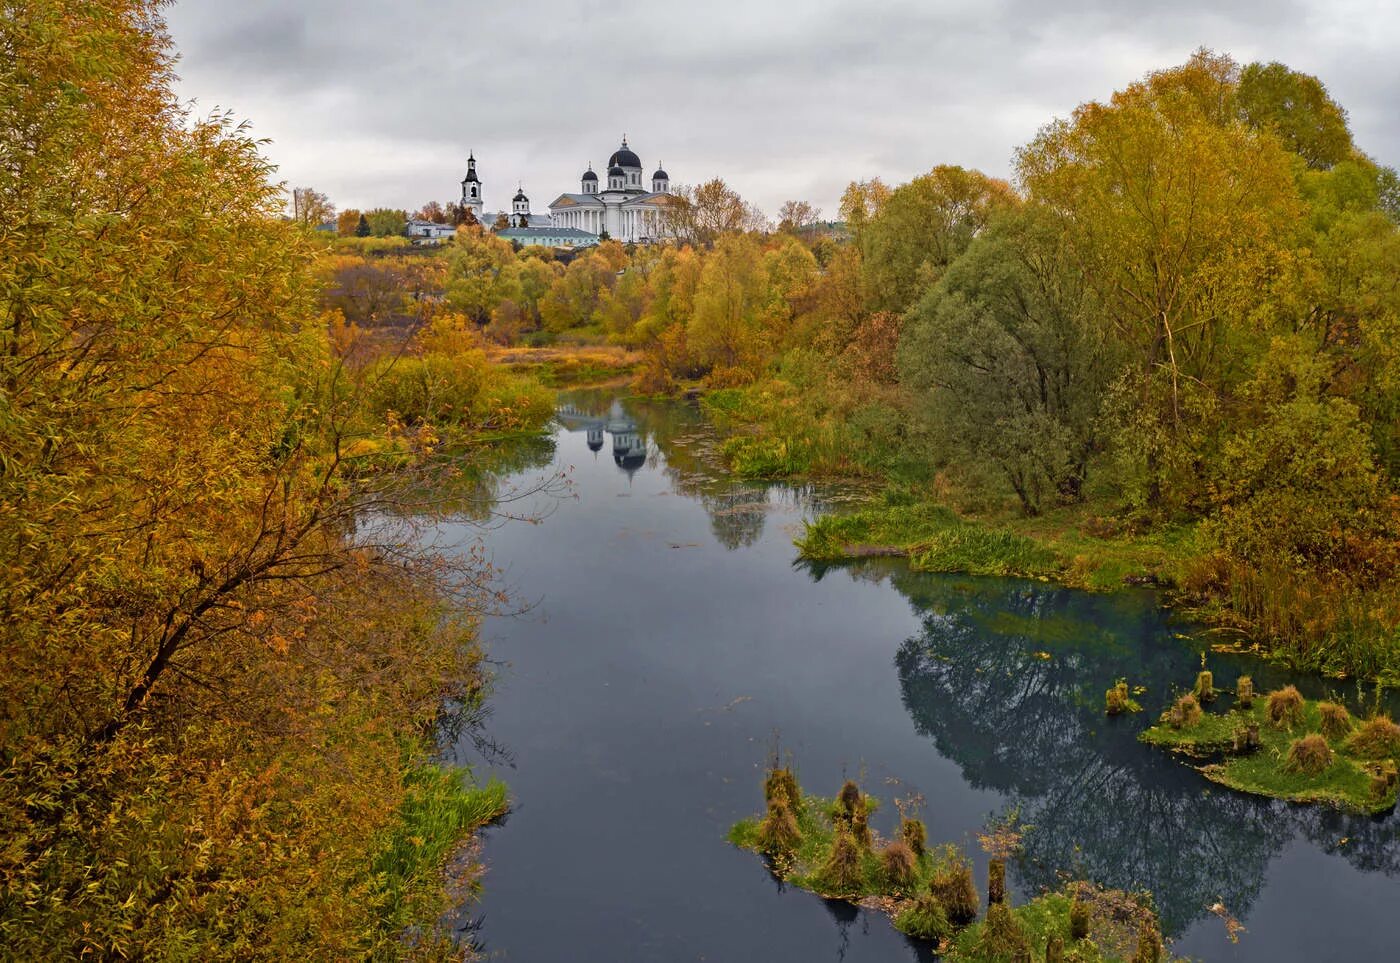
{"points": [[615, 170], [650, 199], [588, 175], [520, 194], [623, 157], [660, 175], [576, 200], [564, 233]]}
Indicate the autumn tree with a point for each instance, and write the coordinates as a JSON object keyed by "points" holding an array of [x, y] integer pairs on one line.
{"points": [[481, 273], [1178, 214], [433, 211], [701, 215], [347, 222], [310, 208], [922, 227], [216, 677], [794, 216], [733, 303]]}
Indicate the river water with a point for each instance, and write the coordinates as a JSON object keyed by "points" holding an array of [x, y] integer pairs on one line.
{"points": [[674, 641]]}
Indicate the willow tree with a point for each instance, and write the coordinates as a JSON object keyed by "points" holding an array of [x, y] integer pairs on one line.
{"points": [[1181, 217], [214, 678]]}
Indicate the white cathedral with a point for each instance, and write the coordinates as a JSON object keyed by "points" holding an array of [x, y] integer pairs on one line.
{"points": [[624, 208]]}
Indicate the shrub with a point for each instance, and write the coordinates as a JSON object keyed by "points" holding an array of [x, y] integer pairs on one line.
{"points": [[923, 919], [1116, 699], [1185, 714], [1286, 707], [1336, 721], [899, 864], [914, 834], [778, 834], [1309, 755], [1376, 738], [1244, 692], [1205, 686], [1055, 949], [841, 873], [954, 889]]}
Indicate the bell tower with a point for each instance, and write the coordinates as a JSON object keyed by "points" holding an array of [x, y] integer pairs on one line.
{"points": [[471, 189]]}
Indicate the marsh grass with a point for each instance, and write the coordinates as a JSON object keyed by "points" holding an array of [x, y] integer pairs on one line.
{"points": [[439, 810], [1260, 751]]}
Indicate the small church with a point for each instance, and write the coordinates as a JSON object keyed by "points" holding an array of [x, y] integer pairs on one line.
{"points": [[622, 207]]}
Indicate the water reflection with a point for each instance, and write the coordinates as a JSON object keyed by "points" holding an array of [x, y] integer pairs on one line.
{"points": [[1007, 679], [629, 441]]}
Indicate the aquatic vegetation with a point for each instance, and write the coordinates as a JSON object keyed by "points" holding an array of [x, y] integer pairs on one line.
{"points": [[1288, 747], [1310, 755], [1286, 707], [1118, 700], [923, 918], [900, 864], [930, 893], [1149, 944], [914, 834], [1205, 687], [842, 873], [953, 887], [1244, 692], [1376, 738], [782, 782], [1336, 720], [778, 834], [996, 882], [1185, 714], [1078, 919]]}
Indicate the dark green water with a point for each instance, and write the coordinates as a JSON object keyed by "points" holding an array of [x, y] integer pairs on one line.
{"points": [[675, 637]]}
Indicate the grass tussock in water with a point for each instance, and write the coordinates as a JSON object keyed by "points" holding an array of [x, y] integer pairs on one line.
{"points": [[1288, 747], [930, 893]]}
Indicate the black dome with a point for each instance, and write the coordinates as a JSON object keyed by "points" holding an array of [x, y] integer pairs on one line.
{"points": [[660, 175], [520, 196], [471, 176], [616, 171], [623, 157], [588, 175]]}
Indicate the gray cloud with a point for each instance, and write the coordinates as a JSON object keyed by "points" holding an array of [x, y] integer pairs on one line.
{"points": [[378, 103]]}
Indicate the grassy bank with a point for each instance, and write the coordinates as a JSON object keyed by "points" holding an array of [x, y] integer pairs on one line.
{"points": [[1055, 546], [1287, 747]]}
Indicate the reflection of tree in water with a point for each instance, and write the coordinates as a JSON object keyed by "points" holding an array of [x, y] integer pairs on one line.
{"points": [[693, 464], [1100, 805]]}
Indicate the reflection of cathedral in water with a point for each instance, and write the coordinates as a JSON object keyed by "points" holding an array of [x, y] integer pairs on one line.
{"points": [[629, 443]]}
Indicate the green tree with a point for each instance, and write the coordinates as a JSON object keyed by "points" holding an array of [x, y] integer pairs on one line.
{"points": [[1009, 362], [921, 228], [362, 229], [386, 222], [1297, 107]]}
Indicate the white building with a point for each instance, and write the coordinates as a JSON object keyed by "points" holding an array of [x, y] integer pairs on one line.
{"points": [[427, 232], [471, 190], [624, 208]]}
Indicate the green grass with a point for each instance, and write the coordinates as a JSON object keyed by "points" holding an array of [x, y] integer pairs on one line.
{"points": [[441, 809], [1346, 784], [933, 538], [1114, 919], [1053, 547]]}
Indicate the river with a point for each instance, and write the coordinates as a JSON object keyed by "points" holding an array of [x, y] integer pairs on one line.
{"points": [[674, 641]]}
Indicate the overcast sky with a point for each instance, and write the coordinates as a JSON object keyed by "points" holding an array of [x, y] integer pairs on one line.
{"points": [[377, 102]]}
